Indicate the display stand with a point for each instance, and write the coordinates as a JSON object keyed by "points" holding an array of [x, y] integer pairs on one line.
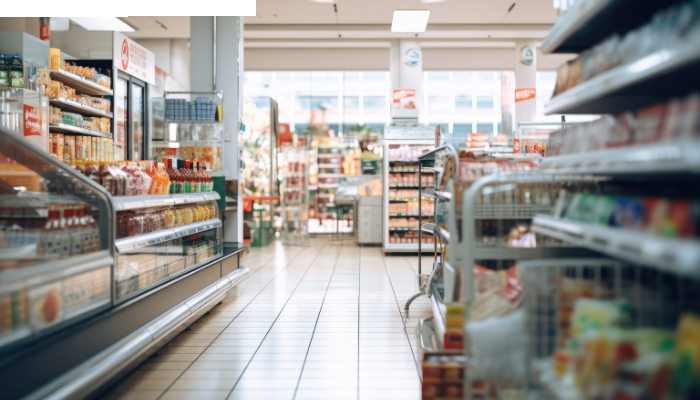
{"points": [[441, 164], [78, 295], [294, 196], [401, 185]]}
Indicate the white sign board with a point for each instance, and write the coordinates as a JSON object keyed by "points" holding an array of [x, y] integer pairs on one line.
{"points": [[134, 59]]}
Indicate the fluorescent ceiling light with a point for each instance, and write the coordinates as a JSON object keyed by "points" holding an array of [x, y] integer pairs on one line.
{"points": [[432, 1], [413, 21], [102, 24]]}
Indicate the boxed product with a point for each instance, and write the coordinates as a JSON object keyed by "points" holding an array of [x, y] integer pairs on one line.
{"points": [[45, 305]]}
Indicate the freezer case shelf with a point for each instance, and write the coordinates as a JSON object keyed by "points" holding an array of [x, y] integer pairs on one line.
{"points": [[123, 203], [128, 244]]}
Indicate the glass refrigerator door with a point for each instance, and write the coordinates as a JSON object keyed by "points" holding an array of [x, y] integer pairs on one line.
{"points": [[138, 98], [121, 97], [56, 235]]}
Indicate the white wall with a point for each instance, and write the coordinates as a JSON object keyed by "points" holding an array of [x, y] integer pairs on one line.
{"points": [[173, 58], [349, 59]]}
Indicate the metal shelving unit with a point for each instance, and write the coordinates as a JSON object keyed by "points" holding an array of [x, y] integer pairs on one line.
{"points": [[74, 106], [64, 128], [136, 242], [588, 22], [672, 156], [80, 84], [678, 256], [649, 80]]}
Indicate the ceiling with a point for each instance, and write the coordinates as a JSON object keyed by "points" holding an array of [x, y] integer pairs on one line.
{"points": [[305, 21]]}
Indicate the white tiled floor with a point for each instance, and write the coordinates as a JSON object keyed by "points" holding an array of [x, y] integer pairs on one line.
{"points": [[318, 322]]}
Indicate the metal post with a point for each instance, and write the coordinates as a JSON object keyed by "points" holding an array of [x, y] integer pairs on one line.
{"points": [[420, 219]]}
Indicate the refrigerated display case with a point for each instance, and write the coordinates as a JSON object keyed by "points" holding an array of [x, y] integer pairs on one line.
{"points": [[84, 272], [55, 264], [402, 147]]}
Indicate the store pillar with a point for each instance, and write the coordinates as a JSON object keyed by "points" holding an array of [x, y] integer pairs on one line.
{"points": [[406, 67], [525, 81], [216, 59]]}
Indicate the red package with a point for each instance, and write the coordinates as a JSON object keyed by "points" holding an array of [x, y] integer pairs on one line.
{"points": [[690, 118], [649, 123], [668, 218], [508, 281], [672, 122]]}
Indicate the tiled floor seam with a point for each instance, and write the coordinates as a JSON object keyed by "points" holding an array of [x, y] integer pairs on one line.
{"points": [[234, 318], [301, 373], [403, 318], [273, 322]]}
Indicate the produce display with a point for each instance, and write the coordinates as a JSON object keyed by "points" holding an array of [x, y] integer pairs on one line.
{"points": [[151, 220], [666, 28], [678, 118]]}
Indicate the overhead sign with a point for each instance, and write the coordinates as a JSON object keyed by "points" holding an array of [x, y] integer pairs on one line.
{"points": [[524, 94], [412, 57], [134, 59]]}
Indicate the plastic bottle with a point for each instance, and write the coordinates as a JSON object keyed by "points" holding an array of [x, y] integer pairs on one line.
{"points": [[54, 242], [94, 236], [73, 226]]}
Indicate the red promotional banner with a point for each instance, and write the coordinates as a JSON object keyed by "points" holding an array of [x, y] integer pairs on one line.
{"points": [[32, 121], [524, 94]]}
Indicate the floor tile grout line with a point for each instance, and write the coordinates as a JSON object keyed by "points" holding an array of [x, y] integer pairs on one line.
{"points": [[233, 319], [301, 373], [415, 361], [273, 322], [359, 317]]}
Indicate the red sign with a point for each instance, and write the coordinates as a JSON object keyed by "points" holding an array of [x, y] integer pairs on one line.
{"points": [[403, 99], [125, 55], [32, 121], [516, 146], [524, 94], [45, 33]]}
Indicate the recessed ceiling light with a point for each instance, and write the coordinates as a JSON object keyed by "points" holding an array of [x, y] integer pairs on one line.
{"points": [[102, 24], [413, 21], [324, 1], [432, 1]]}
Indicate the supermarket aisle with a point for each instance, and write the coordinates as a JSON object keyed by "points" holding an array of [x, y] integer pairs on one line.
{"points": [[321, 322]]}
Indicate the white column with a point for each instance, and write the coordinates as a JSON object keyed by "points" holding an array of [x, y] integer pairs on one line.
{"points": [[227, 53], [525, 78], [406, 75]]}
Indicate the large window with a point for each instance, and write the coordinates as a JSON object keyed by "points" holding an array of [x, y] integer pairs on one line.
{"points": [[461, 101], [348, 99]]}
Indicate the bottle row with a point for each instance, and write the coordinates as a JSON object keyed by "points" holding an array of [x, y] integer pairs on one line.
{"points": [[69, 230], [72, 149], [410, 237], [146, 221], [11, 71], [411, 179], [411, 208]]}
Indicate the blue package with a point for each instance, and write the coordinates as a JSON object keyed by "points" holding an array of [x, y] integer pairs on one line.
{"points": [[628, 213]]}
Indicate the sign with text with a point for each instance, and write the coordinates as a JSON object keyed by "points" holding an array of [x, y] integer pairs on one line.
{"points": [[134, 59], [524, 94], [32, 121], [403, 99]]}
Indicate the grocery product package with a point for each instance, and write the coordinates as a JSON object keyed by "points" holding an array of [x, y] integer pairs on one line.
{"points": [[496, 293], [498, 347]]}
